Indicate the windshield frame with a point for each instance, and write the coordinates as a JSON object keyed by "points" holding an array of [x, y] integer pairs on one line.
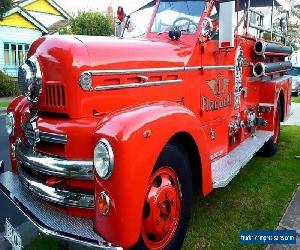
{"points": [[188, 37], [150, 30]]}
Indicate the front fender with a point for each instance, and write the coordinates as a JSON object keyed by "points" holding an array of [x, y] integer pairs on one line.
{"points": [[138, 135]]}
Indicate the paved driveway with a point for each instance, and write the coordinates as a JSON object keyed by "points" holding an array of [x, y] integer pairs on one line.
{"points": [[295, 117]]}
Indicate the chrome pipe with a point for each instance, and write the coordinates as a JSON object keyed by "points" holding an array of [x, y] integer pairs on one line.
{"points": [[1, 167], [265, 69]]}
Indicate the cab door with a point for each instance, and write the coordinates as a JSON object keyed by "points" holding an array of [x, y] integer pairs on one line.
{"points": [[220, 90]]}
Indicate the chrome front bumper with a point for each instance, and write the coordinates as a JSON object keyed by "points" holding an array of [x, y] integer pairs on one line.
{"points": [[34, 220], [30, 160]]}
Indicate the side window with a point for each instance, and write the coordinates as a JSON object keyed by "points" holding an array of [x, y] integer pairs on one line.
{"points": [[6, 54], [214, 16], [14, 54]]}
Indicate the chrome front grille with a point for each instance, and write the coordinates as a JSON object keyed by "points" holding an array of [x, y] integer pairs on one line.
{"points": [[35, 169], [33, 135], [58, 167], [55, 195]]}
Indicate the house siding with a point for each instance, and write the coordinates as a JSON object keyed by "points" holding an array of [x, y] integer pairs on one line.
{"points": [[18, 36]]}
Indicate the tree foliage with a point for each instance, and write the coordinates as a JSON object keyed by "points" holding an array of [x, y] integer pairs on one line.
{"points": [[90, 23], [293, 36], [5, 5], [8, 86]]}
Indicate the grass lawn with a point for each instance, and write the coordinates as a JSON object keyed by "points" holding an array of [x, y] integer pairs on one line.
{"points": [[297, 99], [255, 199], [4, 104]]}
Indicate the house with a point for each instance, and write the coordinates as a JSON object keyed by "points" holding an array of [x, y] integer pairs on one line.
{"points": [[24, 23]]}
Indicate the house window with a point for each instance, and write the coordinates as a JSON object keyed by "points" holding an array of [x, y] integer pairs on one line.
{"points": [[14, 54]]}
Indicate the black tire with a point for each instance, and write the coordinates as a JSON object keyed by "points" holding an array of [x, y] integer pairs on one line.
{"points": [[175, 157], [270, 148]]}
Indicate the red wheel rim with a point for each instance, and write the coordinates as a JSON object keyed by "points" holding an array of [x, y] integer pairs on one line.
{"points": [[276, 127], [162, 209]]}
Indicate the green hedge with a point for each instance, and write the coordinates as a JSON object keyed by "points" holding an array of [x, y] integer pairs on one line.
{"points": [[8, 86], [92, 23]]}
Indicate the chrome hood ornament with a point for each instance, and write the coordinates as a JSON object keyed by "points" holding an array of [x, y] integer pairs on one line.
{"points": [[30, 79]]}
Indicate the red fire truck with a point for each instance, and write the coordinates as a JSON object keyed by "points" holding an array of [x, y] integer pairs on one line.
{"points": [[111, 135]]}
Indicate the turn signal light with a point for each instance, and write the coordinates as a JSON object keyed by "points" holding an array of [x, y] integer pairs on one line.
{"points": [[103, 203]]}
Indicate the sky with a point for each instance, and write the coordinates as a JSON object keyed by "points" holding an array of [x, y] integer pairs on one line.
{"points": [[72, 6]]}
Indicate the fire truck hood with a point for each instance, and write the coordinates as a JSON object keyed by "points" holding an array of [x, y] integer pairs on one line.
{"points": [[81, 53], [115, 53]]}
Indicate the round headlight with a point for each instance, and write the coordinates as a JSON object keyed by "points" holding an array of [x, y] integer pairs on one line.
{"points": [[103, 159], [10, 124]]}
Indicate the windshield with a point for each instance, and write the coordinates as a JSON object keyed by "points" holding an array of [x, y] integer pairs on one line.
{"points": [[184, 15], [139, 21]]}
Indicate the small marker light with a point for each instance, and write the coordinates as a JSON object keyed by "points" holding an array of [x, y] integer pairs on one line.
{"points": [[103, 203]]}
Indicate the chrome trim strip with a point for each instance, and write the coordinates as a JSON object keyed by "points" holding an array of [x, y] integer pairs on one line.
{"points": [[218, 67], [54, 138], [55, 195], [133, 71], [54, 166], [154, 70], [137, 85]]}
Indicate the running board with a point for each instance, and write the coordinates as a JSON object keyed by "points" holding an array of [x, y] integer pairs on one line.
{"points": [[226, 168]]}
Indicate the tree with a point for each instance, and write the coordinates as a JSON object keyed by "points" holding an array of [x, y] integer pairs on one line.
{"points": [[293, 36], [5, 5], [90, 23]]}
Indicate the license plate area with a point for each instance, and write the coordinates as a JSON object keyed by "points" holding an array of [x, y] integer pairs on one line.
{"points": [[12, 236]]}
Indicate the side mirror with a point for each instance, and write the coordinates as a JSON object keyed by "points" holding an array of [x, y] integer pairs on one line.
{"points": [[226, 24], [121, 14]]}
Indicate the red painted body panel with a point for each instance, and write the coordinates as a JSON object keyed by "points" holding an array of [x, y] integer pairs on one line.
{"points": [[134, 153], [123, 116]]}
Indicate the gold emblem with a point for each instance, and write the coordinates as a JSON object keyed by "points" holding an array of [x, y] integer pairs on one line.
{"points": [[219, 85]]}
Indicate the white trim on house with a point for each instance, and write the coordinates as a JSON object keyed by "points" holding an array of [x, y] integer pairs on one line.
{"points": [[33, 20], [59, 9], [26, 15], [51, 2]]}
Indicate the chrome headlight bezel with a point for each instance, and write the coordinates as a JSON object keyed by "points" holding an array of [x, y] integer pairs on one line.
{"points": [[103, 159], [85, 81], [10, 124]]}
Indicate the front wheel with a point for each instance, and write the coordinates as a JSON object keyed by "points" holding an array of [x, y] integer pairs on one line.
{"points": [[167, 203]]}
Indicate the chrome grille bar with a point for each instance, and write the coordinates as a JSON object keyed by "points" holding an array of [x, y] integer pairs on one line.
{"points": [[55, 195], [52, 166]]}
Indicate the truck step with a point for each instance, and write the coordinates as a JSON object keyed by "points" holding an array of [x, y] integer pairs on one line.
{"points": [[227, 167]]}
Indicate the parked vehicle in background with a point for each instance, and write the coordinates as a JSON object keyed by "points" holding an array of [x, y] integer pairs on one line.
{"points": [[295, 73]]}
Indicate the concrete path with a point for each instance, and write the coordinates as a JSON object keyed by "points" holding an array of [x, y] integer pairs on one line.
{"points": [[290, 221], [5, 99], [295, 117]]}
